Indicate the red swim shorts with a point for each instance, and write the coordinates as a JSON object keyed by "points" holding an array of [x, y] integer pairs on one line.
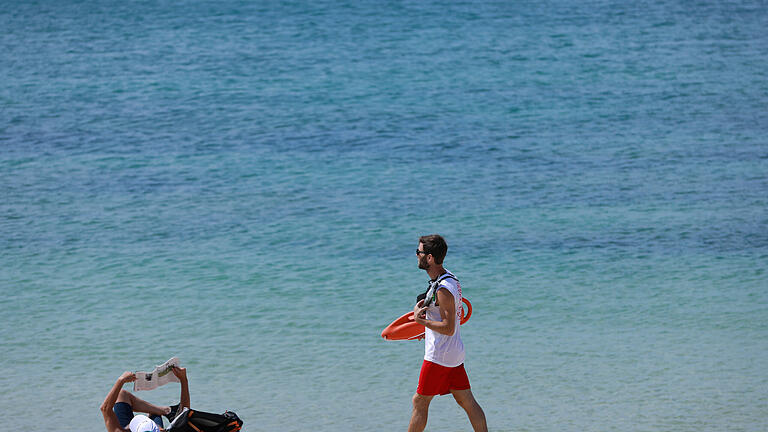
{"points": [[439, 380]]}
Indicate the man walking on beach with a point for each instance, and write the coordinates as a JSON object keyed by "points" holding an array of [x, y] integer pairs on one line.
{"points": [[443, 369]]}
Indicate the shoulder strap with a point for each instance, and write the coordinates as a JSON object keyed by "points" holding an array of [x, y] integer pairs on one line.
{"points": [[444, 277], [430, 296]]}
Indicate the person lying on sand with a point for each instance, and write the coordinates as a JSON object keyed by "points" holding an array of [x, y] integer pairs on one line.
{"points": [[119, 406]]}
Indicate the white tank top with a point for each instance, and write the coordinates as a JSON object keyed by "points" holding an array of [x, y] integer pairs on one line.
{"points": [[442, 349]]}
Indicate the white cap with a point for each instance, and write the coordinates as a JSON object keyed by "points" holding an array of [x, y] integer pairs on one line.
{"points": [[142, 423]]}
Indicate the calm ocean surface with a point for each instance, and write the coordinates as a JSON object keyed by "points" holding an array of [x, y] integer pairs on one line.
{"points": [[242, 185]]}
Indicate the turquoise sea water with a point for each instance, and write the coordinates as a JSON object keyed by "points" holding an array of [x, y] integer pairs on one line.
{"points": [[242, 185]]}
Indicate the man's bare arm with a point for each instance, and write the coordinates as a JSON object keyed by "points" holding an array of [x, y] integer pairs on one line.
{"points": [[110, 418], [181, 374], [447, 305]]}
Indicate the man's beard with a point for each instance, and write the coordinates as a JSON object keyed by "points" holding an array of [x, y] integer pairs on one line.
{"points": [[423, 264]]}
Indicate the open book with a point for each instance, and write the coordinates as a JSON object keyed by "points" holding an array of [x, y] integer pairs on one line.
{"points": [[161, 375]]}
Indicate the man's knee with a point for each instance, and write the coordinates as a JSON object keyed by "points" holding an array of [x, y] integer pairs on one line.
{"points": [[125, 396], [464, 398], [421, 402]]}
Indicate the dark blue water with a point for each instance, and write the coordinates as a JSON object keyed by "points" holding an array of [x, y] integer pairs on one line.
{"points": [[242, 185]]}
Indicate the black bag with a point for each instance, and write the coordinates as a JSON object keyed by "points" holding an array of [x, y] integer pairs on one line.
{"points": [[200, 421]]}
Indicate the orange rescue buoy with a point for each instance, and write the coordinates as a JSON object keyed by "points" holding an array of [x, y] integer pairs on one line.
{"points": [[405, 328]]}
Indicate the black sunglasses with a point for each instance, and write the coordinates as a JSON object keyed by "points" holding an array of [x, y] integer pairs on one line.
{"points": [[418, 252]]}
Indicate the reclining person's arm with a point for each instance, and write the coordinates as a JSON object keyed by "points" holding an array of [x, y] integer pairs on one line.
{"points": [[181, 374], [110, 418]]}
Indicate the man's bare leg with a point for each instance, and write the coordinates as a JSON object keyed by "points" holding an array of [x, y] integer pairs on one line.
{"points": [[420, 411], [140, 405], [466, 400]]}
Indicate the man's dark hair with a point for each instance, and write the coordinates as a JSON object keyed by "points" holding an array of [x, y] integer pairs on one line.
{"points": [[435, 245]]}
